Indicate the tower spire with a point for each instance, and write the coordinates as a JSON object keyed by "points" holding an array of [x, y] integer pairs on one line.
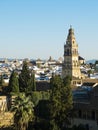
{"points": [[70, 26], [71, 37]]}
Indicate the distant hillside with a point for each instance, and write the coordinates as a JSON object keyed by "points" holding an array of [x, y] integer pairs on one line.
{"points": [[91, 61]]}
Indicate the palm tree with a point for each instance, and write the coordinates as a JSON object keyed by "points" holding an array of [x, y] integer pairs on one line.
{"points": [[23, 111]]}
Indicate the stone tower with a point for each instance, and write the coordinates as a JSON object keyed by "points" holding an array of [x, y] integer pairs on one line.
{"points": [[71, 65]]}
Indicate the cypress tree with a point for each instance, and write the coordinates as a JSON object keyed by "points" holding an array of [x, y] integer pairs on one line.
{"points": [[33, 83], [26, 80], [13, 83], [60, 102]]}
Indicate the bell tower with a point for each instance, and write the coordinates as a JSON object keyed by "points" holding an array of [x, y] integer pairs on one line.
{"points": [[71, 65]]}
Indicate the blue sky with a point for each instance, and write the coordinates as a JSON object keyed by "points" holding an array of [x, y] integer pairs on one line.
{"points": [[39, 28]]}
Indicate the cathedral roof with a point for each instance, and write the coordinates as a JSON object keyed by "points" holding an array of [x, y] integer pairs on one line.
{"points": [[80, 58]]}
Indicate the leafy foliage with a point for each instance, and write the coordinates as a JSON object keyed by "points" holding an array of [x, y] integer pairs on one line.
{"points": [[23, 111], [13, 83], [42, 109], [60, 101], [33, 83], [1, 80], [26, 79], [36, 96]]}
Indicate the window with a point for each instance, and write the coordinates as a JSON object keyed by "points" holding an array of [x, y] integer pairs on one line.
{"points": [[67, 51]]}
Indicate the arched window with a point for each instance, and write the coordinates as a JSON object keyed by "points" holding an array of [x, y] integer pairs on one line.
{"points": [[67, 51]]}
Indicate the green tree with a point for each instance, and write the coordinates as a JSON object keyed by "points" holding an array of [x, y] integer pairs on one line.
{"points": [[1, 80], [89, 72], [14, 83], [36, 97], [26, 79], [60, 102], [33, 82], [68, 98], [23, 111]]}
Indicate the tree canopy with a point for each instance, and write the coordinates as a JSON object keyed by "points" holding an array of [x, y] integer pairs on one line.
{"points": [[23, 111], [13, 83], [26, 79], [60, 101]]}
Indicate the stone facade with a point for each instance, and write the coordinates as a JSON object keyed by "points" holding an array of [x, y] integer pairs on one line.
{"points": [[86, 107], [71, 65], [3, 103]]}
